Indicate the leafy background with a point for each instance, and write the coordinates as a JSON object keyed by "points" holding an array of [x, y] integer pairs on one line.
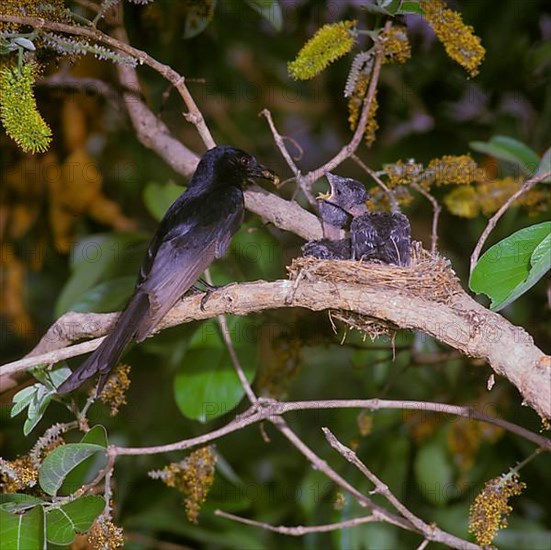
{"points": [[74, 241]]}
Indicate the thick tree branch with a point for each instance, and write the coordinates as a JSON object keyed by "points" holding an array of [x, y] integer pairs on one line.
{"points": [[461, 323]]}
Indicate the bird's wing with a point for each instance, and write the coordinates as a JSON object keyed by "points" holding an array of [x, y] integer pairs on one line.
{"points": [[364, 236], [400, 239], [174, 263]]}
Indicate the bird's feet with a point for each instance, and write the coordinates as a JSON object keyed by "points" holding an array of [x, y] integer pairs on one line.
{"points": [[209, 289]]}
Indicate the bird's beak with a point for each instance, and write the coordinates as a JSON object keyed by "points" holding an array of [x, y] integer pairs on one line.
{"points": [[329, 195]]}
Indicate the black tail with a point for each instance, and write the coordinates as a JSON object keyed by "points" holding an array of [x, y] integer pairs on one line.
{"points": [[105, 358]]}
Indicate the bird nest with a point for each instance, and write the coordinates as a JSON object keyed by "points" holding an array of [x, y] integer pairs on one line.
{"points": [[428, 277]]}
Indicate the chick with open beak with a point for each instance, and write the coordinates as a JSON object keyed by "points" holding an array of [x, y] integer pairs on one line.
{"points": [[346, 199]]}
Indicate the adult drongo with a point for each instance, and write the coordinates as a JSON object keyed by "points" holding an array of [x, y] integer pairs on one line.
{"points": [[195, 230]]}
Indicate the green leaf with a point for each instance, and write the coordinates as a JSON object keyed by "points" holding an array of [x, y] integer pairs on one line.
{"points": [[545, 165], [257, 253], [87, 469], [269, 10], [51, 378], [24, 43], [511, 150], [62, 524], [158, 197], [22, 399], [512, 266], [22, 531], [37, 407], [38, 396], [61, 461], [16, 502], [410, 8], [100, 258], [206, 385], [433, 472], [106, 297]]}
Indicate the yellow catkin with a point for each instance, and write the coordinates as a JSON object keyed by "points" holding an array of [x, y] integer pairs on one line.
{"points": [[330, 43], [459, 40], [17, 474], [105, 535], [192, 477], [355, 106], [395, 45], [114, 392], [491, 507], [455, 169], [462, 202], [18, 111]]}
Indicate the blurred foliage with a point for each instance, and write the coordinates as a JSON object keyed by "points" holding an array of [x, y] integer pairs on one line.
{"points": [[75, 222]]}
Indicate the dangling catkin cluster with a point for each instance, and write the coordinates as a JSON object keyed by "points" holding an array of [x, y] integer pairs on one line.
{"points": [[18, 111], [330, 43]]}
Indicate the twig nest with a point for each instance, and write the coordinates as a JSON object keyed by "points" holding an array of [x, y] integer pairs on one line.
{"points": [[429, 277]]}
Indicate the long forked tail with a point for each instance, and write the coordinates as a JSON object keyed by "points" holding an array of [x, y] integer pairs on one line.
{"points": [[106, 356]]}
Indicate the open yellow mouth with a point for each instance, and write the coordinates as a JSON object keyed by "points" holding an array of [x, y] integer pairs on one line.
{"points": [[324, 196]]}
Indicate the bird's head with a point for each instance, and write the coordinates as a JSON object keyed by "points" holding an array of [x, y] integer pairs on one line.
{"points": [[345, 192], [231, 166]]}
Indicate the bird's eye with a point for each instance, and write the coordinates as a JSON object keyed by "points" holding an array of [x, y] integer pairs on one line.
{"points": [[245, 161]]}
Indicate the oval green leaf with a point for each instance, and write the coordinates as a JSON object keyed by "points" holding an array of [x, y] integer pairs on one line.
{"points": [[100, 258], [63, 524], [63, 460], [545, 165], [22, 531], [106, 297], [434, 473], [269, 10], [158, 197], [512, 266], [88, 468], [511, 150], [206, 385]]}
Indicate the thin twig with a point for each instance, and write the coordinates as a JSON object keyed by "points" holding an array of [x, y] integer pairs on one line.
{"points": [[222, 321], [263, 410], [436, 209], [492, 222], [380, 487], [378, 181], [306, 181], [378, 511], [299, 530], [193, 115], [279, 141], [322, 466], [278, 138], [348, 150]]}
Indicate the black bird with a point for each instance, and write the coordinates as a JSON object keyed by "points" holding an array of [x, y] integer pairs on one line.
{"points": [[381, 236], [346, 200], [327, 249], [373, 235], [195, 230]]}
